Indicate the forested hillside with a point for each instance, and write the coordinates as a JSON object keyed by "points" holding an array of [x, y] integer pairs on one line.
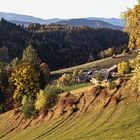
{"points": [[90, 23], [60, 45]]}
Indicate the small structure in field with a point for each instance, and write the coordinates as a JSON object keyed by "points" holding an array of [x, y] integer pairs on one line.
{"points": [[103, 75], [81, 79], [113, 70]]}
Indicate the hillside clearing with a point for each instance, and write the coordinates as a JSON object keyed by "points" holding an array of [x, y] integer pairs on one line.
{"points": [[99, 64]]}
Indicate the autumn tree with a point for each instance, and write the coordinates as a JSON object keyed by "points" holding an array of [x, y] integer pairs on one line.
{"points": [[135, 64], [25, 78], [123, 68], [65, 80], [109, 52], [132, 26]]}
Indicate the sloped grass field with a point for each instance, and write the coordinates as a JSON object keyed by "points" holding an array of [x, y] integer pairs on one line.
{"points": [[115, 122], [100, 116], [98, 64]]}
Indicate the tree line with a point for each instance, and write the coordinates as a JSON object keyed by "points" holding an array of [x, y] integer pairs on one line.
{"points": [[60, 46]]}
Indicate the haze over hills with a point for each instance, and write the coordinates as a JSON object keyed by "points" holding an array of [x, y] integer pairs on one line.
{"points": [[89, 23], [94, 22], [114, 21]]}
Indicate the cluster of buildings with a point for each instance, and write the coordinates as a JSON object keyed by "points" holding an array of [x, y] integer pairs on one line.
{"points": [[105, 74]]}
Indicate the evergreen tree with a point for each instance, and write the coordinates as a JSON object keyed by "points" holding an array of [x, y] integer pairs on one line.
{"points": [[15, 62], [30, 55]]}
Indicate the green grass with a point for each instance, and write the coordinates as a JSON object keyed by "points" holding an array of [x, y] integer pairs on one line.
{"points": [[76, 86], [116, 122], [103, 63]]}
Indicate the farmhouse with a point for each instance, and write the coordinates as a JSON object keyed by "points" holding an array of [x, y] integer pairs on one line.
{"points": [[113, 69], [81, 79], [105, 74]]}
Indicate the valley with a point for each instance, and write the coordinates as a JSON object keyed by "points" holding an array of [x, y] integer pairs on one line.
{"points": [[69, 70]]}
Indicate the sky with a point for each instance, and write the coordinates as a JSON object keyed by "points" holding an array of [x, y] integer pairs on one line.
{"points": [[67, 8]]}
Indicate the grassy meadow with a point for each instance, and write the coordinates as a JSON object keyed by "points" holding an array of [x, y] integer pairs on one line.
{"points": [[116, 122]]}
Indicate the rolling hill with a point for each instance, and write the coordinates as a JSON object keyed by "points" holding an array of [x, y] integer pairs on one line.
{"points": [[89, 23], [112, 23], [21, 19]]}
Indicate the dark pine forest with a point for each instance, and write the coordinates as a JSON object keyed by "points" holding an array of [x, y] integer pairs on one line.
{"points": [[60, 46]]}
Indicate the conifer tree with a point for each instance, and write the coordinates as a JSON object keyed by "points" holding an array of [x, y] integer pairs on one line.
{"points": [[30, 55]]}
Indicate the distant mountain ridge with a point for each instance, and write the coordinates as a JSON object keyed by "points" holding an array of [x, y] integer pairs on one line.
{"points": [[113, 23], [89, 23]]}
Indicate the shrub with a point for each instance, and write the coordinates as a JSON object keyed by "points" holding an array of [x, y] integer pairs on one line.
{"points": [[123, 68], [53, 90], [80, 72], [112, 85], [99, 78], [28, 108], [41, 100], [51, 99], [75, 73], [65, 80], [51, 95], [46, 98]]}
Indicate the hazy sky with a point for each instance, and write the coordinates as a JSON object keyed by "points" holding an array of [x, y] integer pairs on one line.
{"points": [[67, 8]]}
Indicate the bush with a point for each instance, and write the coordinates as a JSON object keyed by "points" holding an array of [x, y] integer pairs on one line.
{"points": [[54, 90], [66, 80], [51, 99], [28, 108], [51, 95], [99, 78], [46, 98], [41, 100], [123, 68], [112, 85]]}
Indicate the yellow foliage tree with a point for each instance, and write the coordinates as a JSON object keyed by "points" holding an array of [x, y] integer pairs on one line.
{"points": [[123, 68], [25, 78], [41, 100], [135, 63], [132, 26], [65, 80]]}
